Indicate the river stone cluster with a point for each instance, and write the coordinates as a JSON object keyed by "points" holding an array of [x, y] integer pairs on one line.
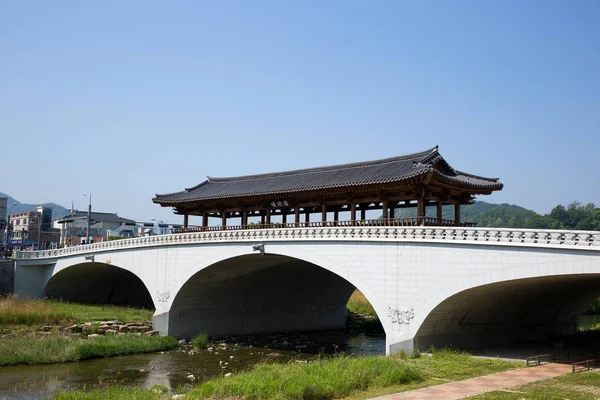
{"points": [[107, 328]]}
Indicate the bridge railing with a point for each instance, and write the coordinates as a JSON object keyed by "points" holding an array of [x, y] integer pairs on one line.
{"points": [[416, 221], [584, 240]]}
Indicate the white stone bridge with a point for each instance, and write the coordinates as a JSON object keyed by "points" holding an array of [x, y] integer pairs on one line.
{"points": [[428, 285]]}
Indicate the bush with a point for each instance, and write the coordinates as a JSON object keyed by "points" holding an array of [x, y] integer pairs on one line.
{"points": [[200, 341]]}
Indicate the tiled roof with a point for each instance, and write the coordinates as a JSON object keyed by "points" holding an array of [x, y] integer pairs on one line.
{"points": [[388, 170], [96, 217]]}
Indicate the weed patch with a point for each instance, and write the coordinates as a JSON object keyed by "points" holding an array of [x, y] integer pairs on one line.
{"points": [[15, 311], [324, 379], [55, 348], [200, 341]]}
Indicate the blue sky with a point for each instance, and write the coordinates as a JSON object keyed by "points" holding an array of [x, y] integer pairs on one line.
{"points": [[128, 99]]}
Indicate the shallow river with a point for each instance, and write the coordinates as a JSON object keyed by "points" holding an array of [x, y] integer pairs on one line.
{"points": [[172, 368]]}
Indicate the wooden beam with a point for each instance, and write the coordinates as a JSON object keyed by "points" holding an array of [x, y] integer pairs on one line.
{"points": [[385, 209], [457, 215]]}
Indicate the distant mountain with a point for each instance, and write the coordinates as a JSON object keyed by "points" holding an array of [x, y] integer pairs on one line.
{"points": [[58, 211]]}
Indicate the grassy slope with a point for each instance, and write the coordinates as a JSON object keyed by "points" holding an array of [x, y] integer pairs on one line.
{"points": [[340, 377], [114, 393], [54, 348], [359, 304], [30, 312], [579, 386], [443, 366]]}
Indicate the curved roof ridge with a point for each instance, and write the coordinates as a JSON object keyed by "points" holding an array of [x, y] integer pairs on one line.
{"points": [[478, 176], [425, 154]]}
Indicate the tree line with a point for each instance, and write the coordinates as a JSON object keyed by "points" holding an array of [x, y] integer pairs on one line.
{"points": [[576, 216]]}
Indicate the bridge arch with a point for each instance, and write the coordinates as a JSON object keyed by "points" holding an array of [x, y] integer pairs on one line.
{"points": [[509, 311], [255, 293], [99, 283]]}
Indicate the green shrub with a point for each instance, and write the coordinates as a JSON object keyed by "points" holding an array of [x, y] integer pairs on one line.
{"points": [[200, 341]]}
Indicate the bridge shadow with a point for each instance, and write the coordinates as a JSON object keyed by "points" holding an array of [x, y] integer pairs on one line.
{"points": [[255, 294], [533, 312], [99, 283]]}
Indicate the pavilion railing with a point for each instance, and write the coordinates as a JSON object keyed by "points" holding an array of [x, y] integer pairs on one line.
{"points": [[414, 221]]}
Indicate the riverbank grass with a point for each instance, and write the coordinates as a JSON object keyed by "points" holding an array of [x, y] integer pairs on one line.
{"points": [[325, 379], [349, 377], [18, 311], [114, 393], [339, 377], [579, 386], [359, 304], [56, 348]]}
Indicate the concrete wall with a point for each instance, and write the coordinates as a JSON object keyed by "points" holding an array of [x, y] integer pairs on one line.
{"points": [[7, 277], [31, 279], [405, 282]]}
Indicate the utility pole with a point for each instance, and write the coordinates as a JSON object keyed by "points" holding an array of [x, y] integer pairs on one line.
{"points": [[89, 218], [8, 226]]}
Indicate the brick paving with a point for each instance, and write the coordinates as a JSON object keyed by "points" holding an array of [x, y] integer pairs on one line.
{"points": [[482, 384]]}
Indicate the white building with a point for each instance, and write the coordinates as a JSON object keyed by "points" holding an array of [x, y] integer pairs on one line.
{"points": [[103, 227]]}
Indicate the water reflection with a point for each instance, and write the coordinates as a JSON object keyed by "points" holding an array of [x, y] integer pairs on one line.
{"points": [[172, 368]]}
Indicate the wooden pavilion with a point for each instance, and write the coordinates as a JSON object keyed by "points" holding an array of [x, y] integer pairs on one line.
{"points": [[416, 180]]}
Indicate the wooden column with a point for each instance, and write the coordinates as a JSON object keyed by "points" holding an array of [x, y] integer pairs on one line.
{"points": [[353, 211], [297, 215], [439, 213], [336, 217], [185, 220], [284, 217], [307, 216], [245, 217], [457, 215], [224, 219], [385, 210], [323, 213], [204, 220], [262, 218], [268, 216], [393, 211], [363, 212], [420, 211]]}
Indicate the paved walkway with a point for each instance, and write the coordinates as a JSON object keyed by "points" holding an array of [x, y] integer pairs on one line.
{"points": [[482, 384]]}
